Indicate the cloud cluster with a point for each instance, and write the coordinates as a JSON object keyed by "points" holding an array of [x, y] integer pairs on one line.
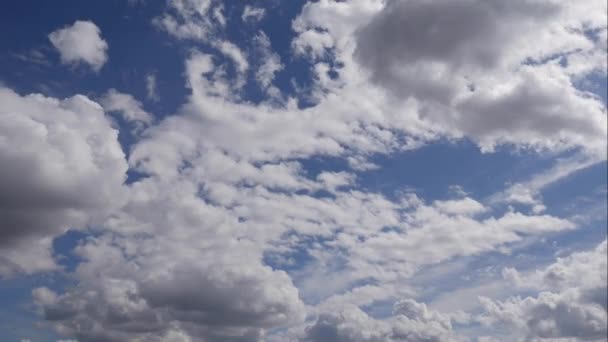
{"points": [[62, 168], [130, 109], [211, 212], [155, 287], [571, 303], [498, 73], [192, 19], [411, 321], [81, 43]]}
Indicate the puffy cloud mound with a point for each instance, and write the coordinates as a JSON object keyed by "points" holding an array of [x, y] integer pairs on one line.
{"points": [[62, 168], [489, 68], [571, 304], [192, 19], [189, 275], [495, 72], [411, 321], [81, 43]]}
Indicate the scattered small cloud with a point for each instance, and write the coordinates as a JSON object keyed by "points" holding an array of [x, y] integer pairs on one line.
{"points": [[152, 88], [81, 42]]}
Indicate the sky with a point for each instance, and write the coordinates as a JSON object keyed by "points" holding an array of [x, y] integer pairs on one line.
{"points": [[303, 171]]}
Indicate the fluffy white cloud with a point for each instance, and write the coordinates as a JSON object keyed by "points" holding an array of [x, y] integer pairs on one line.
{"points": [[62, 168], [470, 67], [571, 303], [165, 286], [411, 321], [81, 43]]}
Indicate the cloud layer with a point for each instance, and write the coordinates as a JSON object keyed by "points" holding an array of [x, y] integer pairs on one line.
{"points": [[224, 232]]}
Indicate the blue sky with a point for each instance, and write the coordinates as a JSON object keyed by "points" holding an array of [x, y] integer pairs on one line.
{"points": [[199, 170]]}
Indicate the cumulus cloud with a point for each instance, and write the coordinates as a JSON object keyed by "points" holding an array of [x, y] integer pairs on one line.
{"points": [[81, 43], [440, 53], [159, 281], [196, 295], [571, 303], [62, 168], [411, 321], [469, 66]]}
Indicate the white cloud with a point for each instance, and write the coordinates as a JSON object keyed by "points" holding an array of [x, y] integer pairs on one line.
{"points": [[190, 19], [32, 56], [271, 62], [252, 14], [131, 110], [81, 43], [233, 52], [528, 192], [203, 20], [151, 87], [214, 287], [62, 168], [465, 206], [411, 321], [571, 302], [474, 72], [334, 180]]}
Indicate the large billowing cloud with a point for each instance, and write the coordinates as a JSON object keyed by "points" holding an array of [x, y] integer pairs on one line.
{"points": [[495, 72], [81, 43], [171, 285], [411, 321], [62, 168], [479, 62]]}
